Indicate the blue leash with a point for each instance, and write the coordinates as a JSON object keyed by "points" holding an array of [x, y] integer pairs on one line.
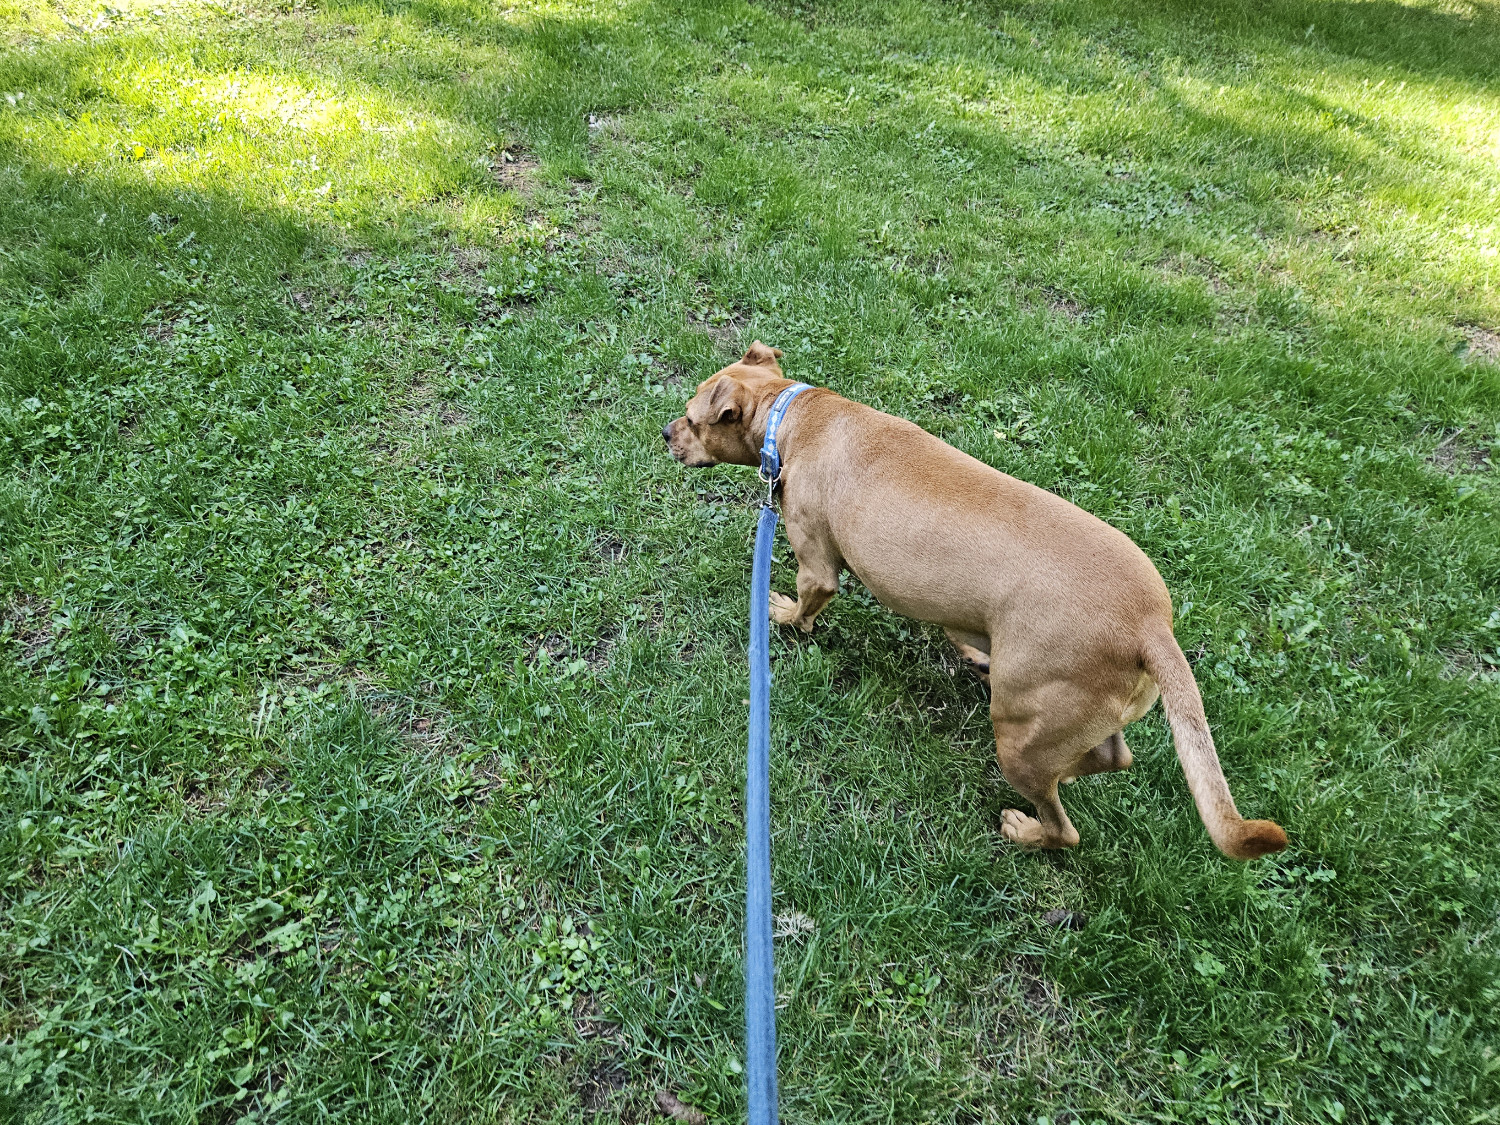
{"points": [[760, 989], [760, 992]]}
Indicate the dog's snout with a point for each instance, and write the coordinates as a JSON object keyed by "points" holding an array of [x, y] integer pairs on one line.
{"points": [[666, 432]]}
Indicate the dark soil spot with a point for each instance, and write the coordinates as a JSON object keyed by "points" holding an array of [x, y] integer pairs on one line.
{"points": [[203, 801], [611, 548], [469, 263], [1193, 266], [1065, 919], [165, 327], [559, 650], [947, 400], [602, 1081]]}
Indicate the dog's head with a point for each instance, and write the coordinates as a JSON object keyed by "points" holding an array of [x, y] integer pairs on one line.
{"points": [[715, 428]]}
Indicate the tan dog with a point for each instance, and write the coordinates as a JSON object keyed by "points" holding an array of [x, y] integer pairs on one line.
{"points": [[1066, 617]]}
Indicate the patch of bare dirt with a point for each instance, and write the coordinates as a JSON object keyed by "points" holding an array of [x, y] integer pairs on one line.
{"points": [[266, 779], [611, 548], [514, 170], [565, 653], [165, 328], [725, 326], [423, 407], [600, 1084], [27, 619], [589, 1023], [468, 265], [730, 492], [429, 730], [1482, 344], [947, 399], [16, 1019], [1456, 453], [1064, 919], [1022, 1019], [1062, 304], [1042, 996], [205, 795], [1461, 664], [203, 799], [419, 726]]}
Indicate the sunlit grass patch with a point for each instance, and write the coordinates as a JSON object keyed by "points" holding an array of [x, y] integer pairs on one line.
{"points": [[294, 143]]}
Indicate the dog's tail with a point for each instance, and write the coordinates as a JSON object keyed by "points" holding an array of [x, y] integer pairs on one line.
{"points": [[1234, 836]]}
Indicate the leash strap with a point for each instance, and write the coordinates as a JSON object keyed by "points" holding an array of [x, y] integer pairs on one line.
{"points": [[760, 992], [760, 985], [770, 454]]}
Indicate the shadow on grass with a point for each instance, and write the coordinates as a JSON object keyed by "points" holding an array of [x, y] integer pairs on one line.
{"points": [[1419, 38]]}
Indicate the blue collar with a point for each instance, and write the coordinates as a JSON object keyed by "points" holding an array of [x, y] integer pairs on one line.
{"points": [[770, 455]]}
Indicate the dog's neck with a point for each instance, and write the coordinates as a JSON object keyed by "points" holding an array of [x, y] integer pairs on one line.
{"points": [[761, 417]]}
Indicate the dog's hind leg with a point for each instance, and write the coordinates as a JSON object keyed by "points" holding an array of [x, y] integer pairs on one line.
{"points": [[1028, 758], [1111, 754], [973, 650]]}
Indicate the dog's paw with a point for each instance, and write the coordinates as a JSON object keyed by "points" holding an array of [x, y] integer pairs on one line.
{"points": [[1020, 829], [783, 609]]}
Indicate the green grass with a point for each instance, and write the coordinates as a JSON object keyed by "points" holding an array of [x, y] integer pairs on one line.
{"points": [[371, 681]]}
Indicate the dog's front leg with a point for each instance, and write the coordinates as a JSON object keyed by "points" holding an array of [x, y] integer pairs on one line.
{"points": [[814, 591], [818, 566]]}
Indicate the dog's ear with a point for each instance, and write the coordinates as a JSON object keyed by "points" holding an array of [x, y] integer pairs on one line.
{"points": [[716, 403], [758, 355], [723, 405]]}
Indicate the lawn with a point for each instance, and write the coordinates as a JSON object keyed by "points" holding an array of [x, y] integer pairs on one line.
{"points": [[372, 682]]}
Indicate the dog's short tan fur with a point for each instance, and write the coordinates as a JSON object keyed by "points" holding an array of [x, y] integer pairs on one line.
{"points": [[1066, 618]]}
